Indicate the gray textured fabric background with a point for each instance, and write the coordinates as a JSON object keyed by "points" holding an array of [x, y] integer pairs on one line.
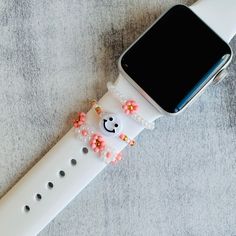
{"points": [[179, 180]]}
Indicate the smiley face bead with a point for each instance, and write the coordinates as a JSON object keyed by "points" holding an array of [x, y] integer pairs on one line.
{"points": [[110, 125]]}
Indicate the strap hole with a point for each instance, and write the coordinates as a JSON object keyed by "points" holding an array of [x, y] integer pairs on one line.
{"points": [[62, 173], [50, 185], [26, 208], [85, 150], [73, 162], [38, 197]]}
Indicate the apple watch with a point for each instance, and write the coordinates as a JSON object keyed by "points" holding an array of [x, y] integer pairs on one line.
{"points": [[180, 60], [161, 73]]}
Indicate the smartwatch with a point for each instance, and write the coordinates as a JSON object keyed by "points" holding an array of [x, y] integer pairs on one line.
{"points": [[180, 55], [161, 73]]}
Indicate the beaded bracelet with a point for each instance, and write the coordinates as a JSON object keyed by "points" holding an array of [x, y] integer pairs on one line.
{"points": [[94, 140], [130, 107]]}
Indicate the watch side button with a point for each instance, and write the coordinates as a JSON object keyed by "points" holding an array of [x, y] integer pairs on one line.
{"points": [[220, 76]]}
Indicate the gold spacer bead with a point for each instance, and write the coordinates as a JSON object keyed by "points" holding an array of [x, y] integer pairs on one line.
{"points": [[93, 102], [132, 143]]}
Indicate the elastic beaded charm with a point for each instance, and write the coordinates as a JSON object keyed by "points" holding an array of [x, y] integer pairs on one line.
{"points": [[130, 107], [96, 142]]}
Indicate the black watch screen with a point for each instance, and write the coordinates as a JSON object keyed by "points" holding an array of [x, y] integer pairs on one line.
{"points": [[175, 58]]}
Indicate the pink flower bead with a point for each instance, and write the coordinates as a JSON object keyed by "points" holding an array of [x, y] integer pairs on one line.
{"points": [[80, 119], [130, 107], [97, 143], [76, 123]]}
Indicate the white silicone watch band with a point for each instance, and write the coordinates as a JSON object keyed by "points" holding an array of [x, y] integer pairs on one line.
{"points": [[220, 15], [15, 221]]}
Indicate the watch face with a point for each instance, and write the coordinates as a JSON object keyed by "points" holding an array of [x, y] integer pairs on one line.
{"points": [[175, 58]]}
